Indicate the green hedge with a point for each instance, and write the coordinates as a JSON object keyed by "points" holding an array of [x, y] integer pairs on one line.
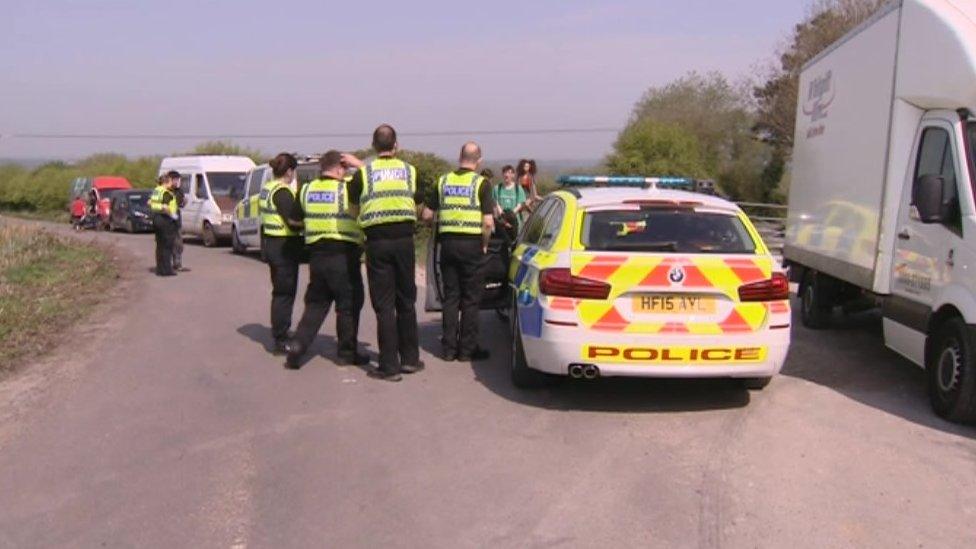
{"points": [[45, 188]]}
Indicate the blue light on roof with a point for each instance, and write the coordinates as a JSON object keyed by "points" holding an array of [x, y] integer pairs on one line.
{"points": [[626, 181]]}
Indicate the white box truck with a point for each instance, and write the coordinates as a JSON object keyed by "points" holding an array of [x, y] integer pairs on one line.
{"points": [[881, 202]]}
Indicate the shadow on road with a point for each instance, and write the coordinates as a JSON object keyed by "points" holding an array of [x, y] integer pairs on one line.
{"points": [[851, 359], [324, 346], [605, 395]]}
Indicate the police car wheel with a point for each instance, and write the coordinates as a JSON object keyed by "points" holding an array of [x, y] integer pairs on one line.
{"points": [[816, 301], [755, 383], [951, 372], [523, 377]]}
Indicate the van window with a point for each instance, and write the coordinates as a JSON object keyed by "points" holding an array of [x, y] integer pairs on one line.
{"points": [[935, 158], [201, 188], [229, 184]]}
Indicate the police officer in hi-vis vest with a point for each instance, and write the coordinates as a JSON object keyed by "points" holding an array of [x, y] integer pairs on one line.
{"points": [[281, 245], [164, 209], [385, 190], [465, 222], [335, 241]]}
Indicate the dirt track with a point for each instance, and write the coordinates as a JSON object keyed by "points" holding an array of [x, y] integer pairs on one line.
{"points": [[168, 425]]}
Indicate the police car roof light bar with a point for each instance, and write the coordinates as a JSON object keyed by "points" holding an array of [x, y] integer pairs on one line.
{"points": [[682, 183]]}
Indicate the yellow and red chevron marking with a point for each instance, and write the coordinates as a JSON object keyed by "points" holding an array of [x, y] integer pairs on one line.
{"points": [[627, 273]]}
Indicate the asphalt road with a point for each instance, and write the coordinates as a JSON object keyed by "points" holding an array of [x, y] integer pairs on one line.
{"points": [[164, 423]]}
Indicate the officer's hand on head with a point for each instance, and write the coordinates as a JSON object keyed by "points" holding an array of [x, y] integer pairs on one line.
{"points": [[350, 161]]}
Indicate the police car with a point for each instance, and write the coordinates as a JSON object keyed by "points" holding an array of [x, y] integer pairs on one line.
{"points": [[624, 276], [246, 221]]}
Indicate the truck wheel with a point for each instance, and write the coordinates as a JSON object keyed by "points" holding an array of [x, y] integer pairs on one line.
{"points": [[523, 377], [236, 245], [816, 301], [209, 237], [755, 383], [951, 372]]}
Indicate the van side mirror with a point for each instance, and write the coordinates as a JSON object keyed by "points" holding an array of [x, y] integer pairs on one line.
{"points": [[928, 197]]}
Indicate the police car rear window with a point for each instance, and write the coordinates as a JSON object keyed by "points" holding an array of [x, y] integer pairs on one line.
{"points": [[680, 230]]}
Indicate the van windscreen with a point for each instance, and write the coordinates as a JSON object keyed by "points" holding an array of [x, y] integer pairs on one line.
{"points": [[230, 184]]}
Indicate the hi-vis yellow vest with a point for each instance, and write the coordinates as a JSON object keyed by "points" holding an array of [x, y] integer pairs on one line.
{"points": [[272, 221], [460, 204], [326, 206], [156, 201], [389, 185]]}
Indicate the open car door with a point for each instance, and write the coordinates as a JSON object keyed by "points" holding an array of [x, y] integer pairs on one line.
{"points": [[497, 291]]}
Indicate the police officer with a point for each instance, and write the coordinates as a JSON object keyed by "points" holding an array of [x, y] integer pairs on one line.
{"points": [[386, 191], [162, 206], [180, 204], [335, 241], [281, 245], [465, 222]]}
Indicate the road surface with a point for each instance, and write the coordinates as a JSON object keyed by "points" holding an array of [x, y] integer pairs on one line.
{"points": [[166, 424]]}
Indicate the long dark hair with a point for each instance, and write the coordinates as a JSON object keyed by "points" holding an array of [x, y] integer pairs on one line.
{"points": [[525, 166], [282, 163]]}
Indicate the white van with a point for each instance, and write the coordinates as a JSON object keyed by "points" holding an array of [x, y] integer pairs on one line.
{"points": [[882, 199], [213, 185]]}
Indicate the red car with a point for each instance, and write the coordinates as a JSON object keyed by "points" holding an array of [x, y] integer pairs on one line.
{"points": [[103, 186]]}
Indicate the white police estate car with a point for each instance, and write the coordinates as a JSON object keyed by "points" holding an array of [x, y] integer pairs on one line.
{"points": [[623, 276]]}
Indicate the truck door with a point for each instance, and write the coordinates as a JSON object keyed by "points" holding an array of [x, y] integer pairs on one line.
{"points": [[924, 253]]}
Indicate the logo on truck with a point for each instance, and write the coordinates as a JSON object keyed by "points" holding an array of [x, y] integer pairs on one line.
{"points": [[820, 95]]}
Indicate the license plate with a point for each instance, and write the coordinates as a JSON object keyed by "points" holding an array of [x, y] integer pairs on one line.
{"points": [[674, 305]]}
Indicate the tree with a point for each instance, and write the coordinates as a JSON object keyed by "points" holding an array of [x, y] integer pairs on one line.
{"points": [[776, 97], [649, 147], [709, 107]]}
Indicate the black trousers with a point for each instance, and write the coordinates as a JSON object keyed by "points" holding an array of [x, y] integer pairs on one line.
{"points": [[462, 272], [178, 247], [283, 255], [335, 274], [390, 267], [166, 230]]}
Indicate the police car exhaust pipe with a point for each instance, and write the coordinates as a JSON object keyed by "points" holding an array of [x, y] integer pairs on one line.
{"points": [[576, 371], [591, 372]]}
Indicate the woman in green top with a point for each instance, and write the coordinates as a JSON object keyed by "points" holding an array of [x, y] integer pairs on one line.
{"points": [[509, 197]]}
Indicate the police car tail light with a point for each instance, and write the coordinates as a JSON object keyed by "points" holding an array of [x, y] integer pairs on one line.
{"points": [[776, 288], [562, 283]]}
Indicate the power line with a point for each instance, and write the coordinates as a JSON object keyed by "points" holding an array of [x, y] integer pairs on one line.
{"points": [[336, 135]]}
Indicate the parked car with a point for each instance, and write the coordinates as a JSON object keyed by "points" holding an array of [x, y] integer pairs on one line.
{"points": [[130, 211], [632, 279], [82, 186], [213, 185], [246, 221]]}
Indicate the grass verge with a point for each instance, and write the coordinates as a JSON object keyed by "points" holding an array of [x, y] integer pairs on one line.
{"points": [[59, 216], [47, 283]]}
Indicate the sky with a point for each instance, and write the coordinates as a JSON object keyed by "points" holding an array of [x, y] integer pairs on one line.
{"points": [[228, 68]]}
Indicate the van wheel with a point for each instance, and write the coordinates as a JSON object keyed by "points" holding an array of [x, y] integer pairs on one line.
{"points": [[816, 301], [951, 372], [209, 236], [523, 377], [755, 383], [236, 245]]}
